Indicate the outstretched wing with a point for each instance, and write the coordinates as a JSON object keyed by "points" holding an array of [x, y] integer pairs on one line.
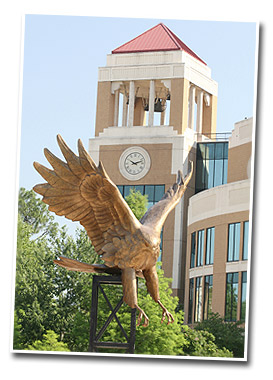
{"points": [[81, 191], [157, 214]]}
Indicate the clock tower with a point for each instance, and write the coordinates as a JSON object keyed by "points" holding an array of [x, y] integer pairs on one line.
{"points": [[155, 100]]}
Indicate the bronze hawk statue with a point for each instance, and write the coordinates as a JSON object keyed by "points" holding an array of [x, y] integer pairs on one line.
{"points": [[82, 191]]}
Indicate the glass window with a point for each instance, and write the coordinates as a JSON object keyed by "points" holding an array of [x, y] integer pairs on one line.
{"points": [[233, 241], [126, 190], [207, 296], [225, 171], [149, 190], [198, 300], [245, 242], [210, 151], [211, 165], [193, 249], [191, 292], [159, 192], [200, 176], [219, 168], [231, 297], [219, 151], [140, 188], [226, 151], [243, 297], [200, 248], [154, 192], [210, 245]]}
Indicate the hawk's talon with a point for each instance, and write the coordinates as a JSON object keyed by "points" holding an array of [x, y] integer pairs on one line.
{"points": [[140, 316], [166, 313]]}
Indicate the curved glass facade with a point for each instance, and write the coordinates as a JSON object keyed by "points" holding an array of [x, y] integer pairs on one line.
{"points": [[211, 165]]}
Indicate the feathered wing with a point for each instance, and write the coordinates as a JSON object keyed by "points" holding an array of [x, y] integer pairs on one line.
{"points": [[81, 191], [157, 214]]}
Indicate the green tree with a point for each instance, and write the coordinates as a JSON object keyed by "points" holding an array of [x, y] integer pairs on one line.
{"points": [[202, 343], [227, 334], [52, 305], [48, 343], [138, 203], [47, 296], [34, 212]]}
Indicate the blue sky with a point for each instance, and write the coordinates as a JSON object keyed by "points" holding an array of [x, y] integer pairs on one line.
{"points": [[60, 67]]}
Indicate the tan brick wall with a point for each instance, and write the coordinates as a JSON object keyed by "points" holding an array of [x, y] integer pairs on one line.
{"points": [[238, 161]]}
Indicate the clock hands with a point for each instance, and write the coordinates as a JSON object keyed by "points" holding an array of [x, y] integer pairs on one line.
{"points": [[135, 163]]}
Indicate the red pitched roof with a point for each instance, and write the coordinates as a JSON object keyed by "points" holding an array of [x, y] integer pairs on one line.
{"points": [[158, 38]]}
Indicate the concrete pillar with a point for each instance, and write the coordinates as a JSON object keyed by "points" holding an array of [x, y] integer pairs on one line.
{"points": [[105, 107], [210, 117], [131, 104], [124, 110], [191, 107], [199, 117], [116, 112], [179, 107], [151, 103]]}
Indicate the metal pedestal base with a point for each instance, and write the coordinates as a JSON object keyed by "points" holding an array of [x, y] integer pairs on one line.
{"points": [[94, 342]]}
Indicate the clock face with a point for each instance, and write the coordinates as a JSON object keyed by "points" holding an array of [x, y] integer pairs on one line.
{"points": [[134, 163]]}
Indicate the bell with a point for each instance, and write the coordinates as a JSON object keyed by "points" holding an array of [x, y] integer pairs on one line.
{"points": [[159, 107]]}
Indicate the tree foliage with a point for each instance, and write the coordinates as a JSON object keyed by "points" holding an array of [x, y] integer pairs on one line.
{"points": [[49, 343], [137, 202], [52, 305], [227, 334]]}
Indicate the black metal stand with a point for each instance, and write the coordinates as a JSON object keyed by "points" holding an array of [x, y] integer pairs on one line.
{"points": [[94, 342]]}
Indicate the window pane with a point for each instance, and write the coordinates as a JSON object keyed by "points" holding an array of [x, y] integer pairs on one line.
{"points": [[140, 188], [200, 248], [198, 299], [243, 300], [219, 151], [201, 151], [210, 151], [231, 297], [127, 190], [191, 292], [193, 247], [234, 301], [218, 176], [230, 241], [149, 190], [237, 242], [225, 171], [226, 150], [234, 242], [210, 173], [159, 192], [210, 245], [207, 296], [245, 244]]}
